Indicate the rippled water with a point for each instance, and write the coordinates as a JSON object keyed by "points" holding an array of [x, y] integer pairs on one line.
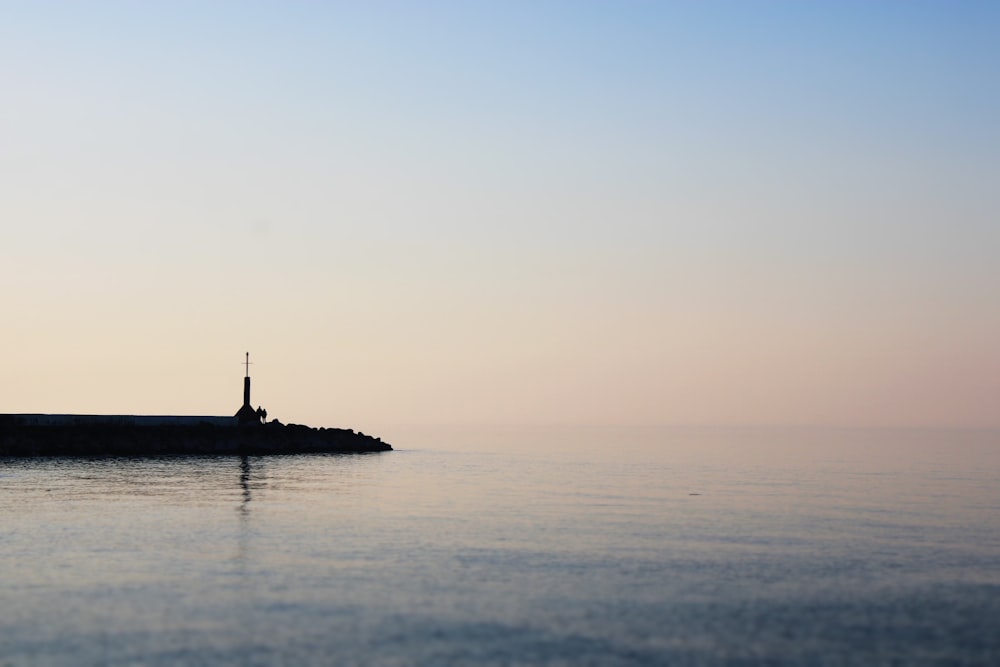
{"points": [[502, 547]]}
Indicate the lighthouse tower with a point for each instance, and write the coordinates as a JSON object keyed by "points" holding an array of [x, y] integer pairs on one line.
{"points": [[246, 414]]}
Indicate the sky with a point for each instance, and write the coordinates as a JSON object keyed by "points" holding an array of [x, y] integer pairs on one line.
{"points": [[634, 212]]}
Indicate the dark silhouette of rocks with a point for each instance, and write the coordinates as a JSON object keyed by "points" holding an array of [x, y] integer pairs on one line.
{"points": [[21, 440]]}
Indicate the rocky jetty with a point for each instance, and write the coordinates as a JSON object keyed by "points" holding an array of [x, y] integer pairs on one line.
{"points": [[26, 440]]}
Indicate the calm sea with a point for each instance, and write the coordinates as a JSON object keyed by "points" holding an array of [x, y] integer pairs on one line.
{"points": [[558, 546]]}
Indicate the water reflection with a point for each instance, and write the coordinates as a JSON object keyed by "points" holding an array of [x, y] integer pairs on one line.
{"points": [[245, 485], [243, 509]]}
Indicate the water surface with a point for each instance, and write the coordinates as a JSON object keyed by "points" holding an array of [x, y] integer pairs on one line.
{"points": [[561, 546]]}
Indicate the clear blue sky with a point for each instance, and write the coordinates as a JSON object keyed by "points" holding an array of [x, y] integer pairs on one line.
{"points": [[719, 212]]}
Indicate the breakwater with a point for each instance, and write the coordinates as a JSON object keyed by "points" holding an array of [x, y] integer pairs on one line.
{"points": [[110, 439]]}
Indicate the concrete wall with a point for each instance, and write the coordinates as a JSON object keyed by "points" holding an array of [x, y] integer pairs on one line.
{"points": [[125, 420]]}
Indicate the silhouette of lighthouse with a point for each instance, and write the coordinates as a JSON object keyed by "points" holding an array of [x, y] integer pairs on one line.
{"points": [[246, 414]]}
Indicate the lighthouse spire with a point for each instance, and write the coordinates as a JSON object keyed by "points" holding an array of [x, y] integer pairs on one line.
{"points": [[246, 414]]}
